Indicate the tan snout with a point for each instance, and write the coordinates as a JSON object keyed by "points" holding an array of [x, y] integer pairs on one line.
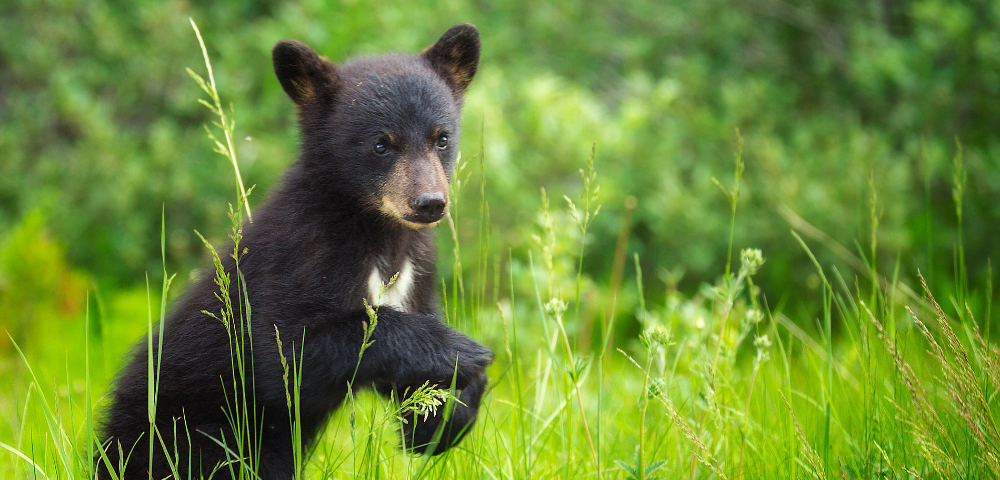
{"points": [[416, 192]]}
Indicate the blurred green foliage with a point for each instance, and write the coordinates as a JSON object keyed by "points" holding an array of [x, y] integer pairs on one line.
{"points": [[36, 284], [100, 129], [99, 125]]}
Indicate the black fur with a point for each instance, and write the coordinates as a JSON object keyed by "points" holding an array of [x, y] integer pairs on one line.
{"points": [[310, 251]]}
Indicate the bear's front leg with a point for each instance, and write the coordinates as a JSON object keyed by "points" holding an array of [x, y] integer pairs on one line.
{"points": [[419, 432], [409, 350]]}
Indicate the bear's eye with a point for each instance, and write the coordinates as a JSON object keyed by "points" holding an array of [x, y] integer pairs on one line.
{"points": [[380, 148], [442, 142]]}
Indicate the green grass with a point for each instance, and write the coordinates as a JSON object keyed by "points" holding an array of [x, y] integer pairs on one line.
{"points": [[721, 383], [787, 406]]}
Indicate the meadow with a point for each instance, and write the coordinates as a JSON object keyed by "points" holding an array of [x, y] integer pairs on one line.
{"points": [[703, 242]]}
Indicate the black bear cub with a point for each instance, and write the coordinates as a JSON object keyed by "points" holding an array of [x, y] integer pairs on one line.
{"points": [[378, 146]]}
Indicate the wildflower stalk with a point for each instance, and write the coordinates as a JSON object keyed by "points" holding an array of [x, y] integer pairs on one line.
{"points": [[733, 195], [654, 338], [153, 384], [369, 326], [582, 220], [959, 179], [241, 409], [226, 123], [701, 452], [292, 399], [643, 401], [557, 309], [751, 261], [874, 217], [458, 285]]}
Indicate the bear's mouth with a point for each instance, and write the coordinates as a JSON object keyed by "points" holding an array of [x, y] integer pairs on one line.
{"points": [[405, 214]]}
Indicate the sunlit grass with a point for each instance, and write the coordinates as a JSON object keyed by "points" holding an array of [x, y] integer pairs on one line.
{"points": [[719, 384]]}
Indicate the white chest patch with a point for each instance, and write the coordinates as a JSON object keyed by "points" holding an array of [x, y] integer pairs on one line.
{"points": [[396, 295]]}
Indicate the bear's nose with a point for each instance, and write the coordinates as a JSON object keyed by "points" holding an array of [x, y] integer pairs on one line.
{"points": [[429, 207]]}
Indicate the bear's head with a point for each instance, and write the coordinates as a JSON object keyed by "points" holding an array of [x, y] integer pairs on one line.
{"points": [[382, 132]]}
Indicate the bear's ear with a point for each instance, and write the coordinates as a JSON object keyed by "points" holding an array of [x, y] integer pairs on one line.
{"points": [[305, 76], [455, 56]]}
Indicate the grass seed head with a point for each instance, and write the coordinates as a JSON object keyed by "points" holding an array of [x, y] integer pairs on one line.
{"points": [[751, 259]]}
